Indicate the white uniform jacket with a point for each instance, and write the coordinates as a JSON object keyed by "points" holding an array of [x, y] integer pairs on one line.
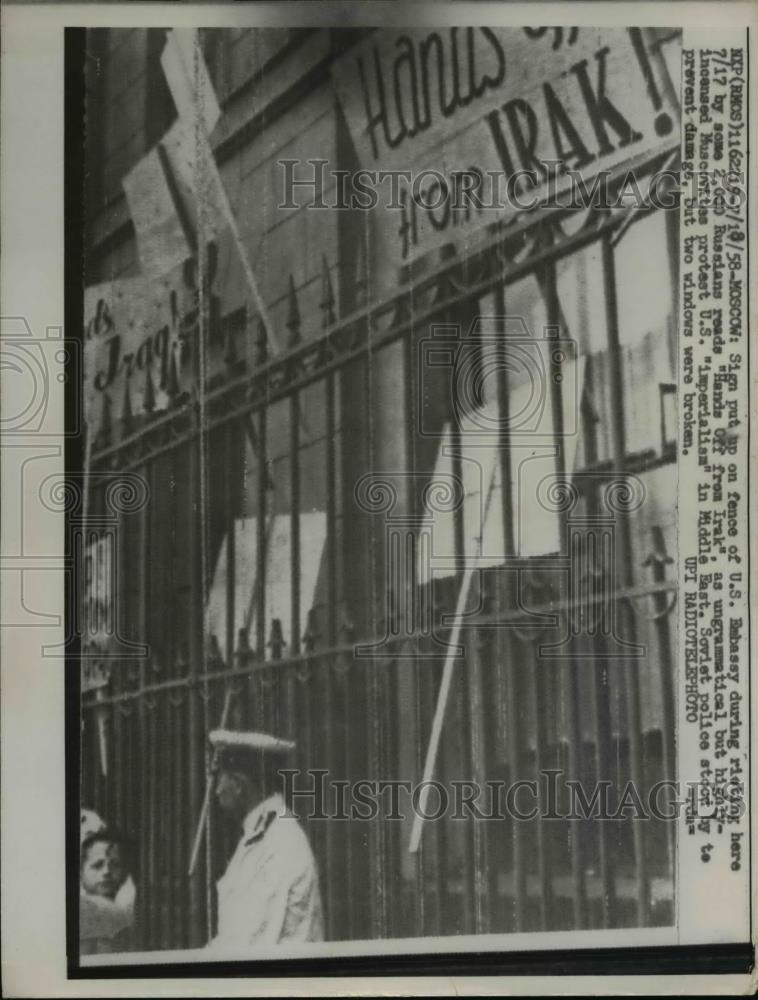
{"points": [[269, 891]]}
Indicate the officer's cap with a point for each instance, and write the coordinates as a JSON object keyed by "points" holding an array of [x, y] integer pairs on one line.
{"points": [[234, 742]]}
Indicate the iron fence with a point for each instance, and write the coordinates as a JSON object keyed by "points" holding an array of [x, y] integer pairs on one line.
{"points": [[516, 711]]}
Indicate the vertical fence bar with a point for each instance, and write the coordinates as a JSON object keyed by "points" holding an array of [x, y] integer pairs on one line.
{"points": [[456, 745], [332, 837], [544, 846], [150, 939], [320, 722], [659, 559], [420, 882], [509, 716], [151, 873], [435, 854], [603, 737], [183, 821], [198, 903], [230, 514], [356, 903], [331, 512], [295, 523], [376, 773], [500, 835], [323, 679], [482, 888], [396, 901], [414, 921], [261, 525], [286, 689], [328, 317], [115, 740], [173, 816], [634, 715], [342, 711], [556, 323], [182, 781], [325, 669], [539, 677], [144, 733], [123, 624], [576, 770], [360, 671], [166, 825]]}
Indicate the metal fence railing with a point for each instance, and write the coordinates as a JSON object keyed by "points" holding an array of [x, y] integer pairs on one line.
{"points": [[517, 710]]}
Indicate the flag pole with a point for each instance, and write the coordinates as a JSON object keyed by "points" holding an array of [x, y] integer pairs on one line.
{"points": [[201, 823], [201, 136], [203, 147], [447, 678], [439, 714]]}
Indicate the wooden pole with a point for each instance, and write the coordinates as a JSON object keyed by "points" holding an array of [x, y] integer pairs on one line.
{"points": [[207, 797], [439, 713], [447, 677]]}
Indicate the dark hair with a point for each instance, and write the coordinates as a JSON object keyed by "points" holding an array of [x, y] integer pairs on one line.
{"points": [[107, 836]]}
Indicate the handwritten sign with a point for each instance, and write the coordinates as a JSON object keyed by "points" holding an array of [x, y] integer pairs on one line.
{"points": [[490, 109], [141, 341]]}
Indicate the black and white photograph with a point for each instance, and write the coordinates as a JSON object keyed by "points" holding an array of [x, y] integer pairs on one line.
{"points": [[402, 462], [385, 632]]}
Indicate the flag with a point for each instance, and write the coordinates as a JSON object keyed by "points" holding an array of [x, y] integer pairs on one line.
{"points": [[174, 191], [199, 185], [188, 79], [190, 157], [161, 238]]}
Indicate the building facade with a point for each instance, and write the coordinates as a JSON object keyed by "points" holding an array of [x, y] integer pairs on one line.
{"points": [[307, 486]]}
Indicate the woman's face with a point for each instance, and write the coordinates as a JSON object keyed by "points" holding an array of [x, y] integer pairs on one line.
{"points": [[103, 869]]}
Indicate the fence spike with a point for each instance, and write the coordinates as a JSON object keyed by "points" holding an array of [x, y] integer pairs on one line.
{"points": [[126, 410], [213, 651], [106, 422], [230, 347], [293, 316], [172, 388], [261, 344], [361, 274], [276, 640], [347, 629], [312, 633], [149, 400], [658, 557], [327, 295], [182, 661]]}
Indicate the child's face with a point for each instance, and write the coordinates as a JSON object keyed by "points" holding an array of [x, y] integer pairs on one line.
{"points": [[103, 869]]}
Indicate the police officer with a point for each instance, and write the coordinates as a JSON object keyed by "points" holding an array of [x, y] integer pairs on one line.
{"points": [[269, 892]]}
